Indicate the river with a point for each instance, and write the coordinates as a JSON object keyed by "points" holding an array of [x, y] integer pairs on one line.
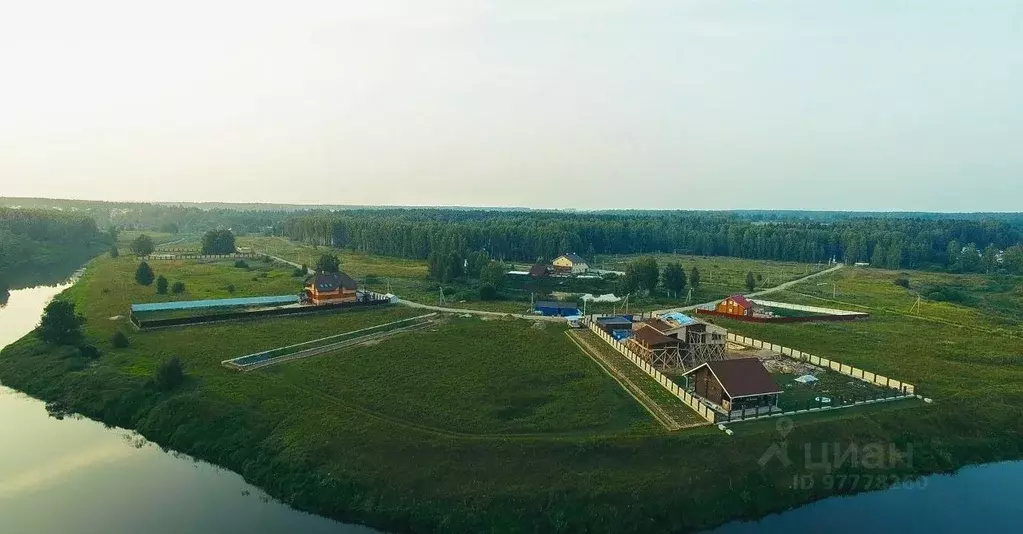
{"points": [[76, 475]]}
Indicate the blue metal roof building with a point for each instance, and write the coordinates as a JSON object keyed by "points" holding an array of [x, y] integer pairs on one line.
{"points": [[555, 309]]}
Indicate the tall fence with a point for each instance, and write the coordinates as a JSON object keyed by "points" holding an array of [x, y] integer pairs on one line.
{"points": [[810, 309], [665, 382], [848, 370]]}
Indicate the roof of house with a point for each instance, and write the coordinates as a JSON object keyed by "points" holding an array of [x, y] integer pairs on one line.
{"points": [[556, 304], [740, 300], [331, 281], [613, 320], [652, 337], [538, 269], [573, 257], [741, 377]]}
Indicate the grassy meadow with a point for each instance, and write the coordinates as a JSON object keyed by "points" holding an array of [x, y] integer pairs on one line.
{"points": [[408, 278], [500, 426]]}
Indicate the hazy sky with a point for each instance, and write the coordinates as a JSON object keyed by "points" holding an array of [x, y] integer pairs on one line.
{"points": [[814, 104]]}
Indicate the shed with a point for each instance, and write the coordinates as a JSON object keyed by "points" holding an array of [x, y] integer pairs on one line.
{"points": [[612, 324], [737, 384], [555, 308], [538, 270]]}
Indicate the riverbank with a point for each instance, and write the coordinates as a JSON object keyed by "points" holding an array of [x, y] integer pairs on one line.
{"points": [[326, 446]]}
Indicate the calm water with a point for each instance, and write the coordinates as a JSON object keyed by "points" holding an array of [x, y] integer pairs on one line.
{"points": [[986, 495], [75, 475]]}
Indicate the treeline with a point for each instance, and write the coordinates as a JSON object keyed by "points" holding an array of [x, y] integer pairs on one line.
{"points": [[541, 236], [37, 239]]}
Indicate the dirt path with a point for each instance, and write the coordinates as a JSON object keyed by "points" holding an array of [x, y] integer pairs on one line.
{"points": [[662, 416]]}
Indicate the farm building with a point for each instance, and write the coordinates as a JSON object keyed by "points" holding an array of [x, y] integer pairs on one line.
{"points": [[570, 264], [656, 348], [740, 385], [327, 288], [699, 341], [736, 305], [555, 309], [539, 270]]}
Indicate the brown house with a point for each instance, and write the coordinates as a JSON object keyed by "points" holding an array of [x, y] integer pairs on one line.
{"points": [[538, 270], [329, 288], [741, 384], [735, 305]]}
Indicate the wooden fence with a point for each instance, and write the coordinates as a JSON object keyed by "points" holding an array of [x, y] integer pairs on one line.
{"points": [[665, 382], [840, 367]]}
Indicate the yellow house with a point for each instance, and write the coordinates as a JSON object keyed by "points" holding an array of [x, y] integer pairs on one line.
{"points": [[328, 288], [570, 263]]}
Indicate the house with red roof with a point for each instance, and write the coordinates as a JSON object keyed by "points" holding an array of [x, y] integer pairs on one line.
{"points": [[736, 305]]}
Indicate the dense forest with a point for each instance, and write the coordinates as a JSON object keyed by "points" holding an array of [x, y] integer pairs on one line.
{"points": [[896, 242], [33, 241]]}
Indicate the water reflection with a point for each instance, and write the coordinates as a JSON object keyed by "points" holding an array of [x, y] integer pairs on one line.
{"points": [[75, 475]]}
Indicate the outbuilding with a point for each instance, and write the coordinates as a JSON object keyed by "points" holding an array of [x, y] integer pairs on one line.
{"points": [[553, 308], [740, 385]]}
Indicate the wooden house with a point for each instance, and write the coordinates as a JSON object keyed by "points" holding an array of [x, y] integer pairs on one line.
{"points": [[656, 348], [738, 385], [329, 288], [698, 341], [570, 264], [736, 305], [539, 270]]}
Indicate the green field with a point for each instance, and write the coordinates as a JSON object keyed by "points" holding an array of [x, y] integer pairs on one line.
{"points": [[500, 426], [408, 278]]}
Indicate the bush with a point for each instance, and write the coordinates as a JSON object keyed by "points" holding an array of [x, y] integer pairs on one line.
{"points": [[298, 272], [161, 285], [169, 375], [144, 274], [177, 288], [241, 264], [902, 281], [142, 245], [89, 352], [114, 252], [488, 292], [119, 340], [230, 288]]}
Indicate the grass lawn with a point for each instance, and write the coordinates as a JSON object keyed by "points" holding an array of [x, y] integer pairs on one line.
{"points": [[494, 426], [840, 389]]}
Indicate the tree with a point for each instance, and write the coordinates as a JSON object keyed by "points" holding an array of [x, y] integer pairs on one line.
{"points": [[642, 273], [161, 285], [114, 252], [328, 263], [60, 324], [694, 278], [218, 242], [112, 232], [144, 274], [989, 259], [877, 258], [751, 282], [119, 340], [169, 375], [902, 281], [488, 291], [493, 273], [241, 264], [1013, 259], [142, 245], [969, 260], [178, 287], [674, 278]]}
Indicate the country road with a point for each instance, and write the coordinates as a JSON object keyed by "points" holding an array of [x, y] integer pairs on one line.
{"points": [[411, 304], [779, 287]]}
